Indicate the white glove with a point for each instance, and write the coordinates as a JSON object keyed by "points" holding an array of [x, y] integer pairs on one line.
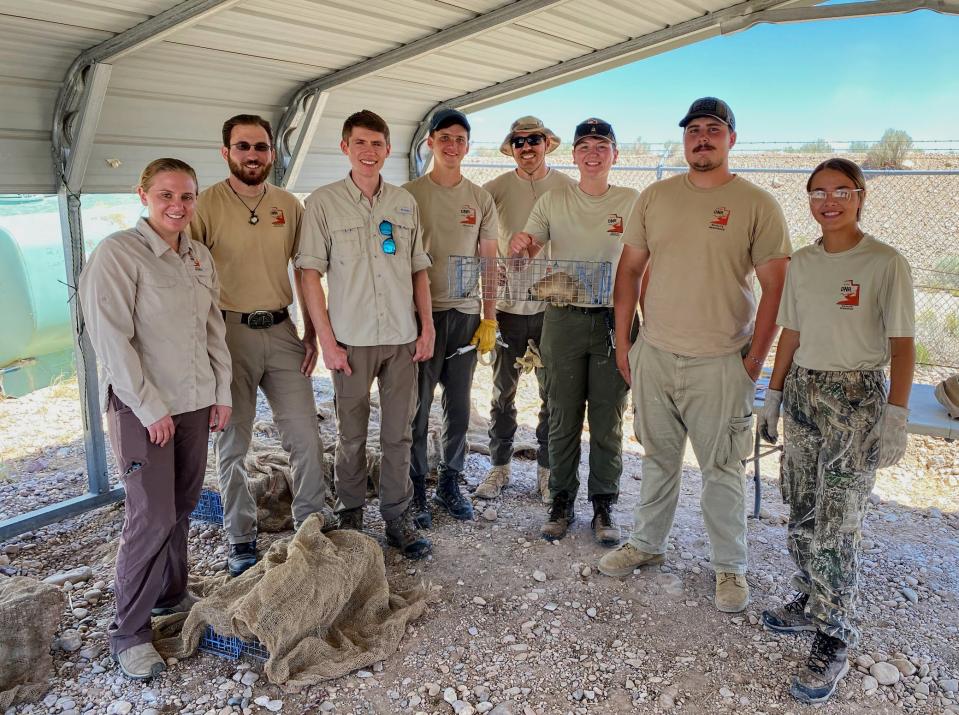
{"points": [[888, 436], [769, 418]]}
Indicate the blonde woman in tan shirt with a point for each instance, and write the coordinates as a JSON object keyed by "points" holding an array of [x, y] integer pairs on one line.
{"points": [[149, 298]]}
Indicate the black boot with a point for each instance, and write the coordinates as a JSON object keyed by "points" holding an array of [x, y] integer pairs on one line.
{"points": [[605, 529], [449, 497], [420, 507], [242, 557]]}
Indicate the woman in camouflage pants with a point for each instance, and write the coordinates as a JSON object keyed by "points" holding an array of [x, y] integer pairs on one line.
{"points": [[847, 312]]}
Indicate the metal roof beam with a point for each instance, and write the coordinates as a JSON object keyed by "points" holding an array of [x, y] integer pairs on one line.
{"points": [[839, 12], [485, 22], [315, 106]]}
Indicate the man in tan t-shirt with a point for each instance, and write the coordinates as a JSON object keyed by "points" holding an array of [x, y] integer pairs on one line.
{"points": [[459, 218], [252, 229], [520, 321], [704, 235]]}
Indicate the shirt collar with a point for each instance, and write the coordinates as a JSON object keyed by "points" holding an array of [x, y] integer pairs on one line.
{"points": [[157, 244], [355, 192]]}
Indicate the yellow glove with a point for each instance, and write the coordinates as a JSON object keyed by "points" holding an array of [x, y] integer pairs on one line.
{"points": [[485, 336]]}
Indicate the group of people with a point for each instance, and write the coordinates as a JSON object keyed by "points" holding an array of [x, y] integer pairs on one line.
{"points": [[189, 314]]}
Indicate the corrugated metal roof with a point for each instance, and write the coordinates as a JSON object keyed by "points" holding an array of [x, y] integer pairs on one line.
{"points": [[169, 98]]}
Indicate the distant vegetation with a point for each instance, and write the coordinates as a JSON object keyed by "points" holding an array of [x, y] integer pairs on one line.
{"points": [[890, 151]]}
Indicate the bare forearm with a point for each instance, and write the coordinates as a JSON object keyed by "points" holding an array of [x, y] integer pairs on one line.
{"points": [[901, 368], [308, 328], [421, 298], [488, 251], [314, 302], [788, 343], [625, 296]]}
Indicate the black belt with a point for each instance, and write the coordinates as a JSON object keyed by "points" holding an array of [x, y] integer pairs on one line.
{"points": [[260, 319], [587, 311]]}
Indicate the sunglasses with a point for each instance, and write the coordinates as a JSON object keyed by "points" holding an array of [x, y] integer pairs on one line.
{"points": [[246, 146], [389, 245], [594, 129], [532, 140]]}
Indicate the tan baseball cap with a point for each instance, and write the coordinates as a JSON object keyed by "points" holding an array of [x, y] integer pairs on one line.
{"points": [[533, 125], [947, 392]]}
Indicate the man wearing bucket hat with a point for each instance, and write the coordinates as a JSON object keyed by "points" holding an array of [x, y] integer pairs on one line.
{"points": [[704, 235], [515, 192]]}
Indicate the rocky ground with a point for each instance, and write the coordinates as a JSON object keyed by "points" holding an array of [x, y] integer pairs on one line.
{"points": [[519, 625]]}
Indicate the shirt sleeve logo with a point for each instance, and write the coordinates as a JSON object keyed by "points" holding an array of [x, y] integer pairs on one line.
{"points": [[849, 291], [467, 216], [720, 218], [277, 215], [614, 225]]}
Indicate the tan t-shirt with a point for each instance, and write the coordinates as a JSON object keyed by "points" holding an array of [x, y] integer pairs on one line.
{"points": [[586, 229], [454, 220], [252, 260], [703, 247], [370, 298], [153, 319], [845, 306], [514, 197]]}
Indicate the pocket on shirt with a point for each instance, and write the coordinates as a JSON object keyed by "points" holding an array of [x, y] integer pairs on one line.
{"points": [[347, 238], [158, 293], [403, 232]]}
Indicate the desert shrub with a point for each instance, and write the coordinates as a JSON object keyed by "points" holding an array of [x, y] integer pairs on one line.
{"points": [[923, 354], [859, 147], [890, 151], [820, 146]]}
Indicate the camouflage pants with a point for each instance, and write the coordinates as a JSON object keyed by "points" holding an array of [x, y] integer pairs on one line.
{"points": [[826, 479]]}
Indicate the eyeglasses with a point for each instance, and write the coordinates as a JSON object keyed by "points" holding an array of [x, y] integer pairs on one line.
{"points": [[838, 194], [532, 140], [389, 245], [246, 146]]}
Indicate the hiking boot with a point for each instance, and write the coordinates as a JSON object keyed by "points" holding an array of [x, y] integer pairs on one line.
{"points": [[420, 506], [140, 662], [496, 478], [561, 515], [791, 618], [350, 519], [449, 497], [182, 606], [604, 528], [825, 667], [401, 533], [328, 520], [242, 557], [626, 559], [732, 592], [542, 484]]}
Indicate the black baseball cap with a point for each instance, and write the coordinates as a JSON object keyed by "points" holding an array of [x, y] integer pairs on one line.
{"points": [[594, 127], [710, 107], [447, 117]]}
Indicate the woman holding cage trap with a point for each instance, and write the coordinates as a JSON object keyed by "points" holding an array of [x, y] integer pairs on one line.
{"points": [[846, 312], [149, 299], [582, 222]]}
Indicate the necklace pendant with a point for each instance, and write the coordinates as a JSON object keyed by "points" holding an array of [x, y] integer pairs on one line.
{"points": [[254, 219]]}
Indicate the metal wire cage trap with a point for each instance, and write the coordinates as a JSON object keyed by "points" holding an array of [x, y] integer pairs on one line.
{"points": [[542, 280]]}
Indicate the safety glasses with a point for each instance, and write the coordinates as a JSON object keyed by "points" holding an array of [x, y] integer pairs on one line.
{"points": [[532, 140], [389, 245], [261, 147]]}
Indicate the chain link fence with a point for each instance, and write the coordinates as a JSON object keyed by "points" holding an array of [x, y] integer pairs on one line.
{"points": [[916, 211]]}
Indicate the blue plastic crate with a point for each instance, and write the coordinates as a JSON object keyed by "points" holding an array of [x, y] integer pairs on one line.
{"points": [[230, 647], [209, 508]]}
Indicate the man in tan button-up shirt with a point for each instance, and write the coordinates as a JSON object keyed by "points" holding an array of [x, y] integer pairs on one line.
{"points": [[364, 235]]}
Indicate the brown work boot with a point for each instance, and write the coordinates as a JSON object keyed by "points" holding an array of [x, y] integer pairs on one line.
{"points": [[561, 515], [825, 667], [492, 486], [604, 528], [626, 559], [350, 519], [402, 533], [140, 662], [732, 592], [542, 484]]}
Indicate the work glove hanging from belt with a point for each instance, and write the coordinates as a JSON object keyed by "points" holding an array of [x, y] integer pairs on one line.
{"points": [[531, 360], [888, 436], [485, 336], [769, 417]]}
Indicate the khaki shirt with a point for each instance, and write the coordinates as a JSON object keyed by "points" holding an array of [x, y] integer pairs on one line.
{"points": [[252, 260], [455, 219], [703, 246], [370, 299], [154, 323], [514, 197], [586, 229]]}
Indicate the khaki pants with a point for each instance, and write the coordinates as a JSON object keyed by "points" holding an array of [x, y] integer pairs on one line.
{"points": [[710, 400], [393, 367], [270, 359], [162, 487]]}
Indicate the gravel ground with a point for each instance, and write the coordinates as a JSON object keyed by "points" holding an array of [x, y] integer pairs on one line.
{"points": [[520, 625]]}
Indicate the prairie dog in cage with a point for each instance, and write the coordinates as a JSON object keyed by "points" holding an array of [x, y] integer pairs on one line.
{"points": [[559, 287]]}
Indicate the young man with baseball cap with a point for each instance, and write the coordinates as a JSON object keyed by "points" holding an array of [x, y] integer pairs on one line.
{"points": [[704, 235], [459, 219], [514, 193], [582, 222]]}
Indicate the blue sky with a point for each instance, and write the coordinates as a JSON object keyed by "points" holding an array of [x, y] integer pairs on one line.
{"points": [[839, 79]]}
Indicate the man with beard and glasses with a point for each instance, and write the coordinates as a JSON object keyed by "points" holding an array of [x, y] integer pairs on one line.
{"points": [[704, 235], [253, 231], [520, 322]]}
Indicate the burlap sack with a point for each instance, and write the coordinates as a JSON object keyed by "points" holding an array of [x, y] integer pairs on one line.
{"points": [[30, 615], [320, 604]]}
